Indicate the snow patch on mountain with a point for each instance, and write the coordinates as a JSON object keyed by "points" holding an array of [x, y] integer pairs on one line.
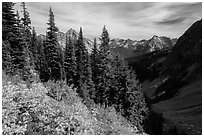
{"points": [[61, 36], [143, 46]]}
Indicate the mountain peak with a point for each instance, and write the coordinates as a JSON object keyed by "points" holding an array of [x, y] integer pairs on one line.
{"points": [[71, 31], [155, 36], [73, 35]]}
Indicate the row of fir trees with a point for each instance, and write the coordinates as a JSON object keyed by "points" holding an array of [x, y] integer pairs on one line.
{"points": [[101, 77]]}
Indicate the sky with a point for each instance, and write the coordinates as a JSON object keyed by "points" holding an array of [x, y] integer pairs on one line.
{"points": [[133, 20]]}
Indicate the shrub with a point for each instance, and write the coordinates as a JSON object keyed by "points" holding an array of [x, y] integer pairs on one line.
{"points": [[30, 111], [112, 122]]}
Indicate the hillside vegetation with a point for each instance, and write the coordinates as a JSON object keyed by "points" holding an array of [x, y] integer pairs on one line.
{"points": [[50, 89], [27, 108]]}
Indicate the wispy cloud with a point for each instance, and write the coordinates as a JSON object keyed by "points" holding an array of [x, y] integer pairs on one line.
{"points": [[172, 21], [179, 12], [135, 20]]}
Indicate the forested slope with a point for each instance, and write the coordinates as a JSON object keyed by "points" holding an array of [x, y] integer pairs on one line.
{"points": [[172, 84], [51, 90]]}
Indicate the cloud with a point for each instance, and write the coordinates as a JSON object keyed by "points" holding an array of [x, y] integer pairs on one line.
{"points": [[134, 20], [179, 12], [172, 21], [67, 19], [129, 10]]}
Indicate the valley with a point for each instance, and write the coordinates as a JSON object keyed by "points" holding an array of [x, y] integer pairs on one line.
{"points": [[172, 85]]}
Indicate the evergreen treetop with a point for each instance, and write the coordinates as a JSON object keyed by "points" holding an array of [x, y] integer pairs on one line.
{"points": [[70, 64], [9, 23], [52, 29], [52, 51], [104, 47], [26, 17]]}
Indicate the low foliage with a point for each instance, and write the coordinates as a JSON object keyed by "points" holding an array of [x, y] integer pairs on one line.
{"points": [[32, 111]]}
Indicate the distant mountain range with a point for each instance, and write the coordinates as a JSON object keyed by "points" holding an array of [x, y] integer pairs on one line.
{"points": [[126, 48], [129, 48], [61, 36]]}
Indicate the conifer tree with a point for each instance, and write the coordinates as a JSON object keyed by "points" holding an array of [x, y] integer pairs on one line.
{"points": [[134, 105], [95, 64], [18, 19], [70, 63], [8, 21], [26, 28], [61, 60], [26, 22], [94, 60], [126, 92], [130, 99], [8, 34], [26, 18], [33, 49], [105, 69], [52, 50], [104, 47], [81, 57], [12, 34], [84, 76], [42, 63], [6, 57], [25, 53], [90, 86], [118, 81]]}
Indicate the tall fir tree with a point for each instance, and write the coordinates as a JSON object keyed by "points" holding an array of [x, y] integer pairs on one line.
{"points": [[128, 96], [26, 17], [84, 75], [26, 28], [52, 50], [94, 60], [105, 39], [26, 72], [26, 22], [8, 21], [70, 63], [33, 49], [81, 58], [95, 64], [61, 59], [104, 69], [6, 57], [12, 34], [8, 34], [134, 105], [125, 92], [19, 22], [118, 81], [90, 86], [42, 63]]}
